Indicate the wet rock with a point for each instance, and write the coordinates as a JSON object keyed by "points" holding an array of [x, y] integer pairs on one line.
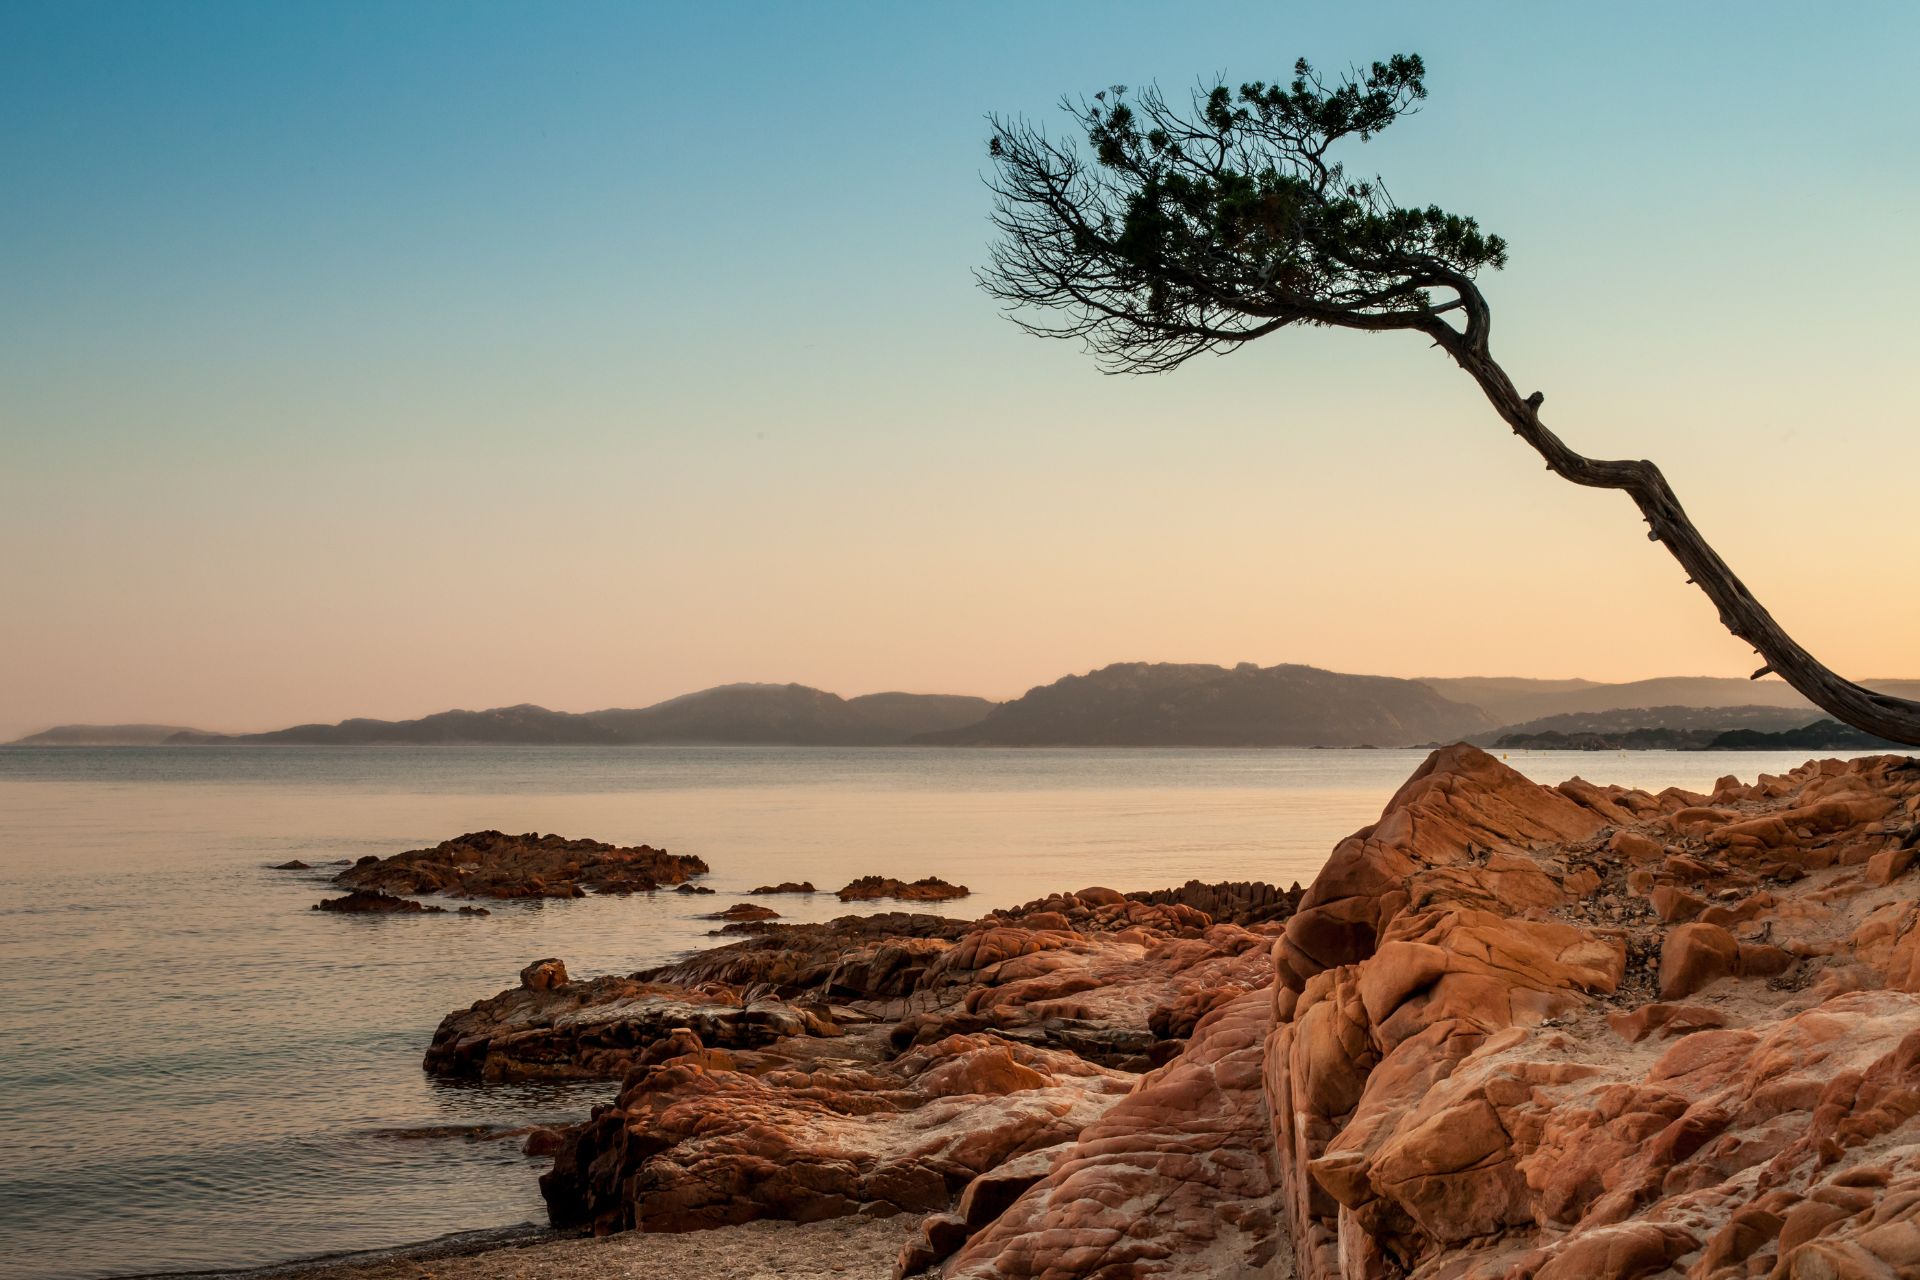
{"points": [[544, 1142], [785, 886], [492, 864], [693, 888], [374, 902], [744, 911], [928, 889], [292, 865]]}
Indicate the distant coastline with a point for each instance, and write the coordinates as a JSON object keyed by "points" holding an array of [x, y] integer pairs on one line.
{"points": [[1125, 704]]}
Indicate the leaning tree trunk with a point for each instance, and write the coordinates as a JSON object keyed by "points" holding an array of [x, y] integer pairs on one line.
{"points": [[1895, 719]]}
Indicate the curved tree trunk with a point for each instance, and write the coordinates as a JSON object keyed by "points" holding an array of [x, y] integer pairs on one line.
{"points": [[1896, 719]]}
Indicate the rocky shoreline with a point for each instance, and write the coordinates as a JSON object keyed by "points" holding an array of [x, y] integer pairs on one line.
{"points": [[1509, 1031]]}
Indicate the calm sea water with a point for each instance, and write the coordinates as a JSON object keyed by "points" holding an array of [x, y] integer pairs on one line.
{"points": [[198, 1072]]}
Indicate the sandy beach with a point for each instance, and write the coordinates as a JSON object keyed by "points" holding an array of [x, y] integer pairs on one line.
{"points": [[853, 1248]]}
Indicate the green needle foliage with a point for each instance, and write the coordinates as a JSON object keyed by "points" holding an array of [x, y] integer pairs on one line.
{"points": [[1198, 228]]}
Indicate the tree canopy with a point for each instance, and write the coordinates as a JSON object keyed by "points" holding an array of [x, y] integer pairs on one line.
{"points": [[1196, 230], [1198, 227]]}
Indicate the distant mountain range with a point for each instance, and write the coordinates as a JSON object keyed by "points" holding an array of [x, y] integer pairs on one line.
{"points": [[789, 714], [1672, 720], [105, 735], [1141, 704], [1822, 735], [1126, 704], [1513, 701]]}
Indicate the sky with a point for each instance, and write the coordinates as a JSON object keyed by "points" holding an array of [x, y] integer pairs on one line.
{"points": [[366, 359]]}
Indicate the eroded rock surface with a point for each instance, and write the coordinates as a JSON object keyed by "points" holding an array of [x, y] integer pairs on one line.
{"points": [[1591, 1032], [492, 864], [879, 1064], [1176, 1179], [550, 1028], [1511, 1031], [691, 1143]]}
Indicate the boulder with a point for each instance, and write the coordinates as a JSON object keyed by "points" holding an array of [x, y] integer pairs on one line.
{"points": [[744, 911], [544, 975]]}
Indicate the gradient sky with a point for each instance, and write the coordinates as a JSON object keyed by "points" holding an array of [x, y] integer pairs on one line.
{"points": [[376, 359]]}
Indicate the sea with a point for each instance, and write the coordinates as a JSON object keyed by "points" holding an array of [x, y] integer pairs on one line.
{"points": [[198, 1072]]}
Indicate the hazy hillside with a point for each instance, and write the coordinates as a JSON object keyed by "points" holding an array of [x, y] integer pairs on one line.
{"points": [[776, 714], [103, 735], [1126, 704], [1514, 702], [1822, 735], [523, 725], [1710, 720], [791, 713], [1499, 696], [912, 714], [1196, 704]]}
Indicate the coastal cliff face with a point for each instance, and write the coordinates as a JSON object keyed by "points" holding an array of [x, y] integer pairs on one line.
{"points": [[1588, 1032]]}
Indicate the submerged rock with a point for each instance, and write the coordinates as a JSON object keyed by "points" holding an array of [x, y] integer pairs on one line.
{"points": [[492, 864]]}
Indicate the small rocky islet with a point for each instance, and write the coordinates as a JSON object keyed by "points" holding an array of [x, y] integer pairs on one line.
{"points": [[375, 902], [1509, 1031], [873, 888], [493, 864]]}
